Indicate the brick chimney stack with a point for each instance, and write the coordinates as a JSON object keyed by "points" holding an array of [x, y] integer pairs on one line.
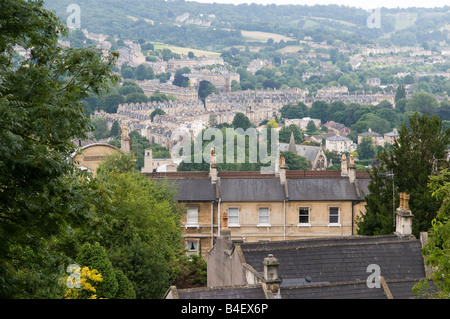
{"points": [[404, 217], [282, 170], [344, 165], [352, 170], [125, 140], [213, 167]]}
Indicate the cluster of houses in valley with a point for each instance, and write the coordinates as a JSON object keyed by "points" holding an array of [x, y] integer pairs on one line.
{"points": [[282, 235]]}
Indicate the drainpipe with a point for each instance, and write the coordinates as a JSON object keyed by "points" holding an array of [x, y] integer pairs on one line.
{"points": [[284, 217], [212, 223], [218, 218]]}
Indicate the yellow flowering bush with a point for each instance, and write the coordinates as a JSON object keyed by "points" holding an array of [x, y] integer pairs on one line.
{"points": [[88, 280]]}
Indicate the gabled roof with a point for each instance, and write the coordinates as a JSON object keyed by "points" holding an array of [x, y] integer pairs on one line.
{"points": [[307, 151]]}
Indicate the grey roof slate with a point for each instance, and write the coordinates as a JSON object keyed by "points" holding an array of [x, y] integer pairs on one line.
{"points": [[267, 189], [352, 290], [251, 189], [321, 189], [195, 189], [232, 292], [342, 259], [307, 151]]}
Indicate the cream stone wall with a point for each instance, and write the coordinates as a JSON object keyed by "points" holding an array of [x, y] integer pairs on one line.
{"points": [[92, 155], [283, 221], [201, 232]]}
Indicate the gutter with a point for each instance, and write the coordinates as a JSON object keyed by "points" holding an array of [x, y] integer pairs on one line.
{"points": [[212, 223]]}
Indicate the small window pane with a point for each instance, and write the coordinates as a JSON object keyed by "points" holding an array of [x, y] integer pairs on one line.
{"points": [[233, 216], [192, 248], [263, 216], [334, 215], [303, 215], [192, 216]]}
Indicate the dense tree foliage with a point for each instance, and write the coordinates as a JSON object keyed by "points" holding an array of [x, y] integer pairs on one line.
{"points": [[437, 250], [322, 23], [422, 143], [41, 112]]}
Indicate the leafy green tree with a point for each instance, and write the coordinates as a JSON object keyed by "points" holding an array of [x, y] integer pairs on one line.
{"points": [[189, 271], [136, 97], [95, 257], [420, 101], [205, 89], [125, 286], [41, 113], [100, 128], [143, 237], [311, 127], [156, 112], [295, 161], [241, 121], [294, 111], [366, 149], [320, 110], [115, 130], [144, 72], [112, 101], [437, 250], [127, 72], [285, 134], [130, 87], [180, 80], [400, 93]]}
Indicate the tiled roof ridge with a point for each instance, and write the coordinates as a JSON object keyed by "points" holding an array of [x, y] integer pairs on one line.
{"points": [[350, 282], [337, 242], [257, 174], [198, 289]]}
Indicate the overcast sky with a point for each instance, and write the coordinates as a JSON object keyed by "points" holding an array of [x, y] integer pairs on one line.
{"points": [[353, 3]]}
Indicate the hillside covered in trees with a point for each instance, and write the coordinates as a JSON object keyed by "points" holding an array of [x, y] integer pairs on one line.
{"points": [[215, 26]]}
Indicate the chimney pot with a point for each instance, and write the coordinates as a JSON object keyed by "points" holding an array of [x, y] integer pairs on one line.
{"points": [[403, 227], [271, 280], [213, 167], [282, 170]]}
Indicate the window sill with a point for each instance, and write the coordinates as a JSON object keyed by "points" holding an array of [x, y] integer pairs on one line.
{"points": [[234, 225], [263, 225], [334, 225], [192, 226], [308, 225]]}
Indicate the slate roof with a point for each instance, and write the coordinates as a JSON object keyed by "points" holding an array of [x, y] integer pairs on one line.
{"points": [[194, 189], [321, 189], [229, 292], [338, 267], [251, 189], [253, 186], [352, 290], [307, 151]]}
